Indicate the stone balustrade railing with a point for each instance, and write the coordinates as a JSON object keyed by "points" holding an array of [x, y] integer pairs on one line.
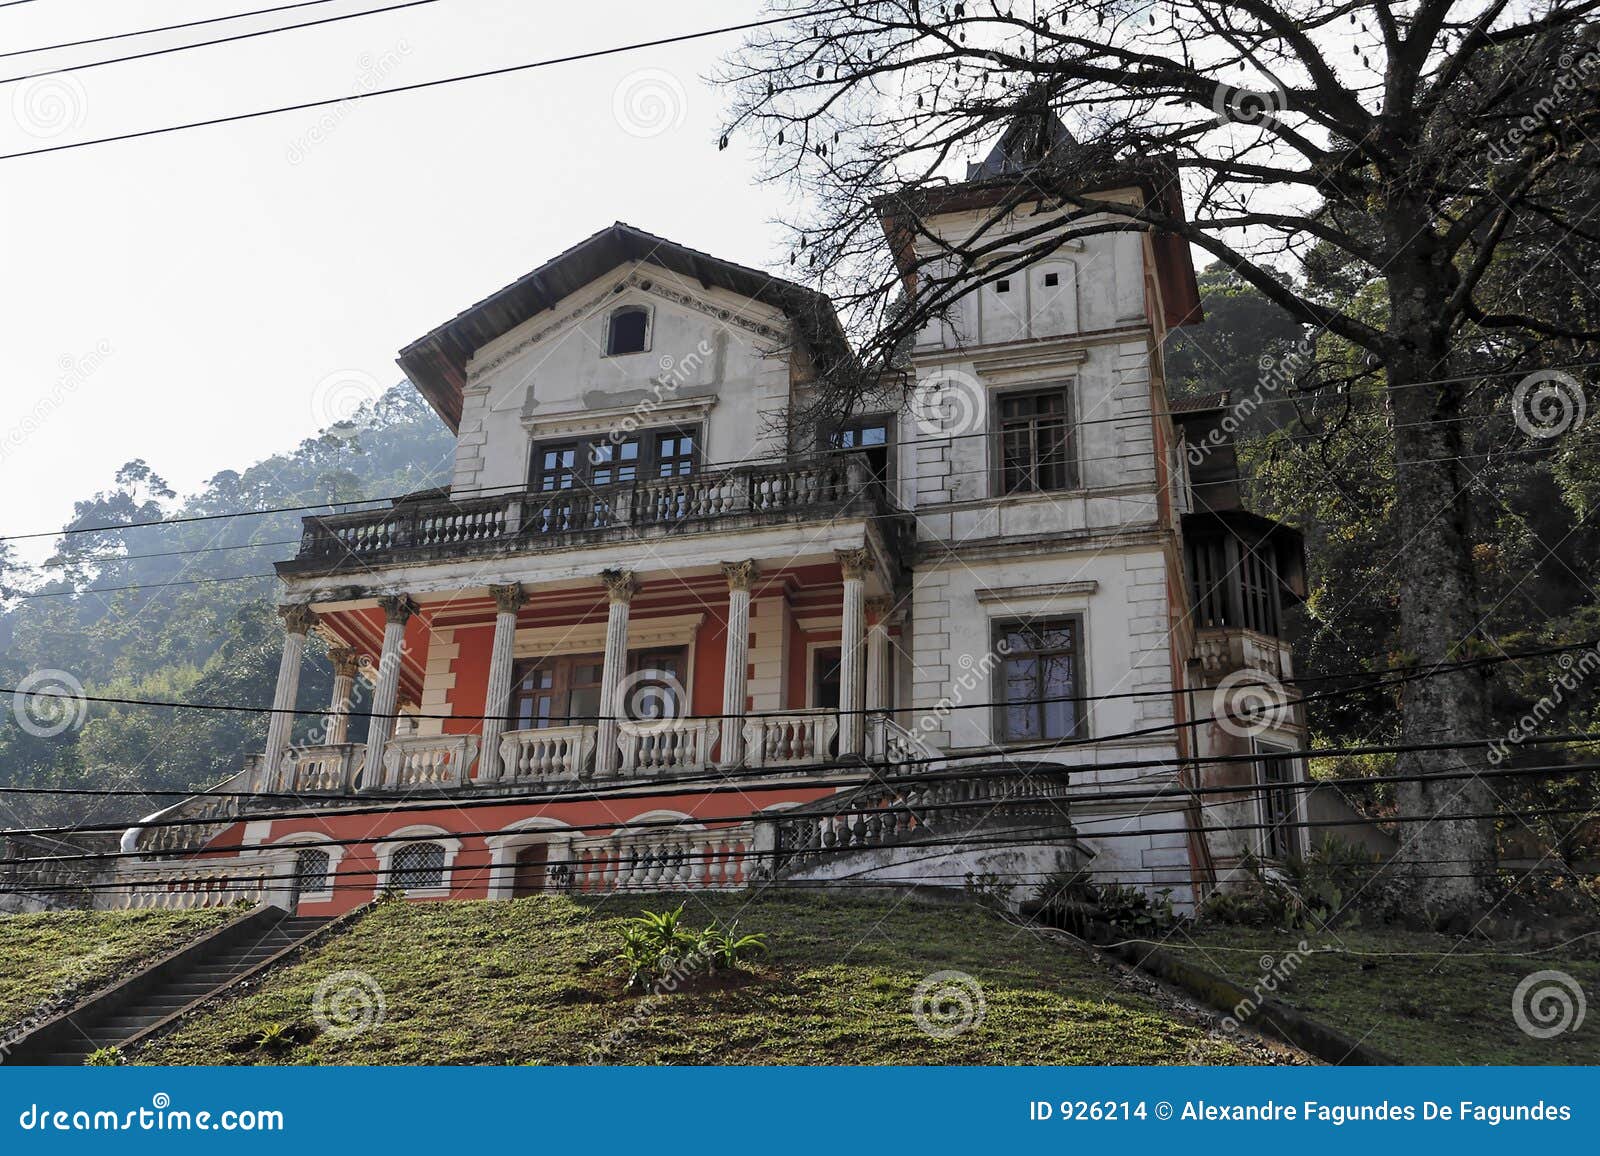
{"points": [[720, 858], [412, 762], [325, 769], [654, 746], [531, 520], [201, 883], [878, 816], [790, 738], [551, 755]]}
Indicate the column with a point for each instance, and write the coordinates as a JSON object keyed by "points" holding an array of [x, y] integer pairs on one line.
{"points": [[386, 690], [736, 659], [855, 565], [878, 611], [620, 588], [346, 662], [297, 622], [497, 697]]}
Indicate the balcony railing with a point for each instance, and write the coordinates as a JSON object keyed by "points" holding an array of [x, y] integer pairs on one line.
{"points": [[531, 520]]}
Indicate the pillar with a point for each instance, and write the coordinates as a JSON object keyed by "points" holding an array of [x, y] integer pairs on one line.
{"points": [[297, 623], [620, 588], [878, 612], [346, 662], [397, 610], [736, 659], [855, 565], [497, 697]]}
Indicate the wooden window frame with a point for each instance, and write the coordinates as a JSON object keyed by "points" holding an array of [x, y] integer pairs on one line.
{"points": [[1067, 391], [998, 628], [1292, 827]]}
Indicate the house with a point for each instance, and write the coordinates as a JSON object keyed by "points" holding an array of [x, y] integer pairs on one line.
{"points": [[654, 635]]}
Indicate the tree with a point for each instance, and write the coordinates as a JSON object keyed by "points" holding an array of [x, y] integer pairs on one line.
{"points": [[1404, 143]]}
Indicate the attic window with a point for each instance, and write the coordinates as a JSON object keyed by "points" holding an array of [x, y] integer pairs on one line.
{"points": [[1051, 280], [1002, 286], [627, 330]]}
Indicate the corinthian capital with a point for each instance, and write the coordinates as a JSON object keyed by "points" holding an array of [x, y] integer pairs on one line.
{"points": [[621, 585], [397, 608], [856, 563], [741, 574], [508, 599], [298, 619]]}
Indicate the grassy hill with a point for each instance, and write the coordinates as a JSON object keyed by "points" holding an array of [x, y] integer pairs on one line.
{"points": [[532, 981], [1424, 999], [57, 954]]}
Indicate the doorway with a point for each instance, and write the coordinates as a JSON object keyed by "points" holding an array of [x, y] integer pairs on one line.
{"points": [[531, 873]]}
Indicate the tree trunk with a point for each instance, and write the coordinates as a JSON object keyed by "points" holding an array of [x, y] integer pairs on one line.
{"points": [[1444, 862]]}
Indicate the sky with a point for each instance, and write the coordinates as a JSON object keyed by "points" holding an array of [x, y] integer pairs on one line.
{"points": [[206, 298]]}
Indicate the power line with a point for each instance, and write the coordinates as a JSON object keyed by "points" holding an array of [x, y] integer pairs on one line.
{"points": [[421, 85], [509, 489], [1373, 680], [208, 43], [866, 773], [1180, 797], [163, 28]]}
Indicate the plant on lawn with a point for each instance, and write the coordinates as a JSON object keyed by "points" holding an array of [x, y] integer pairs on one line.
{"points": [[656, 945], [103, 1058], [726, 948]]}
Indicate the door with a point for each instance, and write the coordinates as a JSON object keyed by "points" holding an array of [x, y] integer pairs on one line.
{"points": [[531, 871]]}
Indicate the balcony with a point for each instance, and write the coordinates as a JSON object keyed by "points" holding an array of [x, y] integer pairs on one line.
{"points": [[526, 521]]}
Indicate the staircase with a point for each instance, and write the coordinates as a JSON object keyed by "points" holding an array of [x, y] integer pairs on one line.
{"points": [[201, 977]]}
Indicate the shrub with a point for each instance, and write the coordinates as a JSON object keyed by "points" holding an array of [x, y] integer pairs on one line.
{"points": [[103, 1058], [726, 948]]}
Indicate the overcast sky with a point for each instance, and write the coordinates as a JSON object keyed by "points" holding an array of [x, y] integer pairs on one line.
{"points": [[203, 299]]}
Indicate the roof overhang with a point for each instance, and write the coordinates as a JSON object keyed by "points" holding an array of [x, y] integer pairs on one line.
{"points": [[436, 363]]}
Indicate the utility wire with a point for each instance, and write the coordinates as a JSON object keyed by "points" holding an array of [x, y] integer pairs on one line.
{"points": [[209, 43], [349, 98], [163, 28], [1373, 680]]}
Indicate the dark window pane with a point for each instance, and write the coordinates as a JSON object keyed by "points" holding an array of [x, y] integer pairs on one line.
{"points": [[627, 331]]}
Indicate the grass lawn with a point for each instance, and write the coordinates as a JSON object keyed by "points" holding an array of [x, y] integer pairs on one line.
{"points": [[532, 981], [1428, 1007], [55, 954]]}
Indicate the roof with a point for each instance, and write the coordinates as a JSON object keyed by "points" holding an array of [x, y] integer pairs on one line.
{"points": [[1037, 150], [436, 362], [1200, 403]]}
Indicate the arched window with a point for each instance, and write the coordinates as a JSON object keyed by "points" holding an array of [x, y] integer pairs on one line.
{"points": [[627, 330], [311, 870], [418, 867]]}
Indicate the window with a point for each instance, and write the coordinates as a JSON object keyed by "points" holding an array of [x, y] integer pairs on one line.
{"points": [[1002, 286], [675, 453], [628, 331], [868, 436], [1040, 672], [1275, 771], [564, 690], [1051, 280], [1035, 436], [311, 871], [417, 867], [1234, 583], [826, 693], [592, 463]]}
